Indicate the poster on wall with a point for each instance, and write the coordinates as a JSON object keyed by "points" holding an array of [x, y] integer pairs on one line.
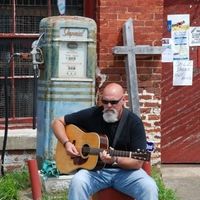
{"points": [[194, 36], [167, 54], [182, 66], [180, 36], [182, 72]]}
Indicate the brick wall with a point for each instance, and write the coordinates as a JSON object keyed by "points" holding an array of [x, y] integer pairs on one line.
{"points": [[148, 23]]}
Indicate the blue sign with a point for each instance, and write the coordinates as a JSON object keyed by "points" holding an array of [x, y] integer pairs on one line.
{"points": [[150, 146], [169, 25]]}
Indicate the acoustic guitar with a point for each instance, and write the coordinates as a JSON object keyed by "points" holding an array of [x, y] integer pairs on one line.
{"points": [[89, 145]]}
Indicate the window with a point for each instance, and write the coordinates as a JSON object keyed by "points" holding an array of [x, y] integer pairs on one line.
{"points": [[19, 27]]}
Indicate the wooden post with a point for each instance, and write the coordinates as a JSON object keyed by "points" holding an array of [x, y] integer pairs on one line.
{"points": [[130, 50], [131, 70]]}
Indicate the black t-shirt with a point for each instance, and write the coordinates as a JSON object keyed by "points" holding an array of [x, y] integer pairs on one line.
{"points": [[131, 138]]}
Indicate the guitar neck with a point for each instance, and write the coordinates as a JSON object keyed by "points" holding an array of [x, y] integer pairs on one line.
{"points": [[95, 151], [140, 155]]}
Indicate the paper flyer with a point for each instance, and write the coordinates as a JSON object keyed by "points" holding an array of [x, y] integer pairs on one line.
{"points": [[180, 36], [167, 54], [182, 72], [194, 36]]}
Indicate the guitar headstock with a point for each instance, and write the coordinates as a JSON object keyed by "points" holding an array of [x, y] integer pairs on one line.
{"points": [[141, 155]]}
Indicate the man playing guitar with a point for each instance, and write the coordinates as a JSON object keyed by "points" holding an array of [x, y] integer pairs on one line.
{"points": [[125, 131]]}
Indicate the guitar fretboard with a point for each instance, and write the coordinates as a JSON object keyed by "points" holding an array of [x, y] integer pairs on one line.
{"points": [[140, 155]]}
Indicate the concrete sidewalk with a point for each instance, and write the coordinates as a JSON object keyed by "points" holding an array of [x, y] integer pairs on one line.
{"points": [[184, 179]]}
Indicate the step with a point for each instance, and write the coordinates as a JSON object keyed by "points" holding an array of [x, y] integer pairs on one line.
{"points": [[19, 139]]}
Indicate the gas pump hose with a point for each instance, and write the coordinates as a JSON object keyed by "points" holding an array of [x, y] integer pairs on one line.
{"points": [[6, 120]]}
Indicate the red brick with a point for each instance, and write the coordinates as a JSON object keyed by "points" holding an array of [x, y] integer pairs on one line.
{"points": [[147, 16]]}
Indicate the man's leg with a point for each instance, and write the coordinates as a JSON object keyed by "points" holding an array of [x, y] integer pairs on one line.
{"points": [[85, 183], [136, 184]]}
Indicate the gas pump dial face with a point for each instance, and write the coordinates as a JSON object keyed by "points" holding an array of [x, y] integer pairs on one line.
{"points": [[72, 61], [73, 55]]}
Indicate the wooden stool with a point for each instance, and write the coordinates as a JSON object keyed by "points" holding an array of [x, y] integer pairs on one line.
{"points": [[110, 193]]}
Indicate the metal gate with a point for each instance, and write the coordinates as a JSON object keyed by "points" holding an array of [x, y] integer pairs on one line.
{"points": [[19, 27]]}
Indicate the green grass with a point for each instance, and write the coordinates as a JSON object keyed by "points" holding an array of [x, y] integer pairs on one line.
{"points": [[164, 192], [12, 183]]}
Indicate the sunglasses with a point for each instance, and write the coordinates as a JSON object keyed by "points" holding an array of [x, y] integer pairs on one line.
{"points": [[112, 102]]}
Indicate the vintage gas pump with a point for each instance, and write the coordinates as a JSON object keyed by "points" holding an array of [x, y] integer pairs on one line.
{"points": [[67, 79]]}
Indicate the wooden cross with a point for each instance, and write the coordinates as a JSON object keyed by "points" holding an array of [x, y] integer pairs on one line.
{"points": [[131, 50]]}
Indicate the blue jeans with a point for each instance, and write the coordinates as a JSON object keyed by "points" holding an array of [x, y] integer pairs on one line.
{"points": [[135, 183]]}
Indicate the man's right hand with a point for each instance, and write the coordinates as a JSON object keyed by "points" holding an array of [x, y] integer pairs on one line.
{"points": [[71, 150]]}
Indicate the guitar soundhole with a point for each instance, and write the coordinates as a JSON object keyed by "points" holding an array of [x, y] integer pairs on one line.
{"points": [[85, 150]]}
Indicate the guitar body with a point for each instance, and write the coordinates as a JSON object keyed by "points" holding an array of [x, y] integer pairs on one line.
{"points": [[66, 164]]}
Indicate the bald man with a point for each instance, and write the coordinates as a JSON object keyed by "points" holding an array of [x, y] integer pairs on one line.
{"points": [[122, 173]]}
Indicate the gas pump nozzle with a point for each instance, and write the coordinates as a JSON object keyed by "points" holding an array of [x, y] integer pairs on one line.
{"points": [[24, 56], [36, 52], [37, 56]]}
